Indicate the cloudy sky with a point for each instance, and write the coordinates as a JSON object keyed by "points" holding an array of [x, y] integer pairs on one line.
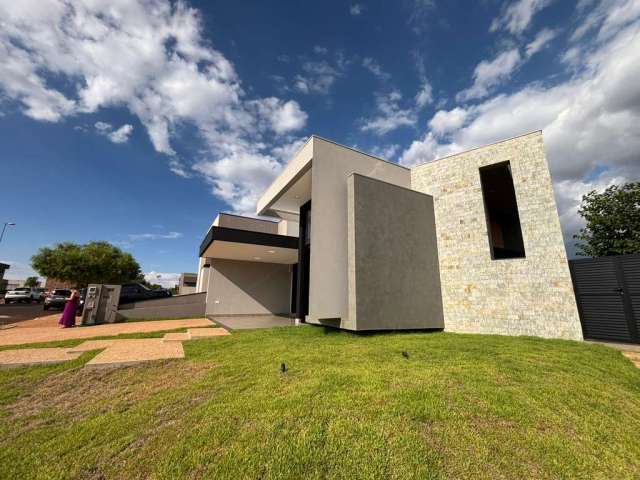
{"points": [[137, 121]]}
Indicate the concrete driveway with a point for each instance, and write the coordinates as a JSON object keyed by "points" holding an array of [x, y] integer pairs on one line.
{"points": [[248, 322]]}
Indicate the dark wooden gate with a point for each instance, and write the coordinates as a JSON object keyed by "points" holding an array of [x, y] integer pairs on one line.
{"points": [[608, 296]]}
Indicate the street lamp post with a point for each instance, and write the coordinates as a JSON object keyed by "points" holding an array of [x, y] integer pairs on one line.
{"points": [[6, 224]]}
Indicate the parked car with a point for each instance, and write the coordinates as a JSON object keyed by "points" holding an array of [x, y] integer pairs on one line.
{"points": [[136, 292], [56, 299], [22, 294]]}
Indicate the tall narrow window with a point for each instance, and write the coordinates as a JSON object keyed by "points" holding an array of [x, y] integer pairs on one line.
{"points": [[501, 210]]}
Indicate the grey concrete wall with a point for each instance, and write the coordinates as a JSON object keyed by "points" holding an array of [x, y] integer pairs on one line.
{"points": [[519, 296], [332, 165], [248, 288], [172, 307], [394, 279]]}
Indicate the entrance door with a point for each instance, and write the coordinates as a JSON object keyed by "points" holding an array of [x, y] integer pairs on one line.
{"points": [[608, 297], [304, 257]]}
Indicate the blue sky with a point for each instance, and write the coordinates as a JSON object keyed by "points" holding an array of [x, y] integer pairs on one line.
{"points": [[136, 122]]}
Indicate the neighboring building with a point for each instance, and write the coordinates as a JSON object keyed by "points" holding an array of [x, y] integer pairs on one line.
{"points": [[187, 283], [468, 243], [3, 283], [11, 284]]}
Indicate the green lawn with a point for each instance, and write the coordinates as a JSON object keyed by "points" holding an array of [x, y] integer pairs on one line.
{"points": [[350, 406]]}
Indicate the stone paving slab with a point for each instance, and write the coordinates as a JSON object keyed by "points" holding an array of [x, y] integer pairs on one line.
{"points": [[206, 332], [114, 352], [176, 337], [36, 356], [129, 352], [17, 336]]}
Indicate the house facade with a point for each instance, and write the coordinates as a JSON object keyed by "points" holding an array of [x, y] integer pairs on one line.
{"points": [[187, 283], [466, 243]]}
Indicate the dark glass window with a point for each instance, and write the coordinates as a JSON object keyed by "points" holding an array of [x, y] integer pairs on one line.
{"points": [[307, 230], [501, 210]]}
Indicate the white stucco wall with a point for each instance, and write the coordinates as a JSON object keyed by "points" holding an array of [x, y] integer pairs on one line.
{"points": [[332, 165]]}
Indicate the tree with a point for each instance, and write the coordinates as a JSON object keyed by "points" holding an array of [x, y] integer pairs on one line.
{"points": [[612, 221], [32, 282], [94, 262]]}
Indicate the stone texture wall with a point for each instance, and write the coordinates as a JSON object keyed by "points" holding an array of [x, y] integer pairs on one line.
{"points": [[525, 296]]}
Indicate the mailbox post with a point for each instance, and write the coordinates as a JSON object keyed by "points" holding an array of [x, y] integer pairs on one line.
{"points": [[101, 304]]}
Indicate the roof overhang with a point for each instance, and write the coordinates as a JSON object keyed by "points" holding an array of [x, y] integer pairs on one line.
{"points": [[291, 189], [235, 244]]}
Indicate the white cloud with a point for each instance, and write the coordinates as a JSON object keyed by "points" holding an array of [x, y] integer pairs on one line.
{"points": [[517, 16], [120, 135], [444, 121], [386, 152], [424, 95], [134, 237], [356, 9], [607, 16], [390, 115], [541, 40], [317, 77], [282, 116], [375, 68], [164, 279], [488, 74], [590, 122], [146, 56], [425, 149]]}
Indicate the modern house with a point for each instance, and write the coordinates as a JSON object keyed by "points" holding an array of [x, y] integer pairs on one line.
{"points": [[466, 243]]}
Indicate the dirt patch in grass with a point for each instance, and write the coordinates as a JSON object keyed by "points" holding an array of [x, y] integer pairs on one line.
{"points": [[79, 392]]}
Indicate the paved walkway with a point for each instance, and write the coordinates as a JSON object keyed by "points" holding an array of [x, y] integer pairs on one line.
{"points": [[27, 333], [114, 353], [36, 356], [246, 322]]}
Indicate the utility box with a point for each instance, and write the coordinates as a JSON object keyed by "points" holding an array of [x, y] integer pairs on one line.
{"points": [[101, 304]]}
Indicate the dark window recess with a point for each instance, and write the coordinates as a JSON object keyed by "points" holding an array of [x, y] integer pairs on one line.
{"points": [[501, 210]]}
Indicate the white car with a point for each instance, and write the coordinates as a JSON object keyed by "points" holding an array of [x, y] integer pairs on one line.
{"points": [[23, 294]]}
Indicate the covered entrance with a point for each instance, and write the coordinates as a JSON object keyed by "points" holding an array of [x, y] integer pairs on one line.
{"points": [[251, 268]]}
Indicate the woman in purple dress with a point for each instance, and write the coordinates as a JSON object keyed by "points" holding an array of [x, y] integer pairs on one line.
{"points": [[68, 318]]}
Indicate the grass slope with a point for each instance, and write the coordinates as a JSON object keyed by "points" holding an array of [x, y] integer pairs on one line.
{"points": [[350, 406]]}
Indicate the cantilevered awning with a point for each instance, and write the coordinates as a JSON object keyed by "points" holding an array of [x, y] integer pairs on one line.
{"points": [[236, 244]]}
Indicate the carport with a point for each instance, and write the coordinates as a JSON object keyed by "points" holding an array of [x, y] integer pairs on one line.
{"points": [[251, 271]]}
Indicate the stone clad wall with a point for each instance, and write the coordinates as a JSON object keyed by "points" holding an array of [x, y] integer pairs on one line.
{"points": [[526, 296]]}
